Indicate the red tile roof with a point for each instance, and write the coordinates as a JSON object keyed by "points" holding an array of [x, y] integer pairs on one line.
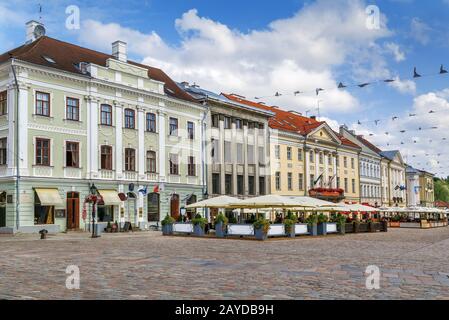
{"points": [[369, 144], [67, 56]]}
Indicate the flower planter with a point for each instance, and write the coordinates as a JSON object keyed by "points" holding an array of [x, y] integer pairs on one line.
{"points": [[356, 227], [220, 230], [312, 230], [395, 224], [372, 226], [341, 228], [290, 233], [383, 226], [198, 230], [260, 234], [321, 229], [167, 229], [349, 227]]}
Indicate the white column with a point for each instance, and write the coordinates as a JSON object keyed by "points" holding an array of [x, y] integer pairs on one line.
{"points": [[256, 160], [92, 134], [307, 165], [162, 162], [11, 129], [23, 130], [118, 140], [334, 181], [317, 163], [326, 169], [141, 152]]}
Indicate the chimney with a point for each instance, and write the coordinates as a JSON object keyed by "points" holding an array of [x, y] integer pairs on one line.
{"points": [[34, 30], [119, 51], [313, 117], [343, 128]]}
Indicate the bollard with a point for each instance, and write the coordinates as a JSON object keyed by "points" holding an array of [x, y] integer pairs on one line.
{"points": [[43, 234]]}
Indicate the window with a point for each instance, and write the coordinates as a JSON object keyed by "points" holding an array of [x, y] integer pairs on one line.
{"points": [[43, 104], [312, 180], [215, 151], [290, 181], [130, 119], [191, 130], [311, 156], [240, 190], [3, 151], [353, 164], [277, 151], [261, 186], [73, 109], [338, 182], [321, 159], [227, 152], [106, 115], [345, 162], [301, 181], [42, 152], [240, 153], [72, 154], [346, 184], [227, 122], [215, 183], [251, 186], [151, 162], [228, 184], [329, 160], [173, 130], [251, 154], [238, 124], [174, 164], [151, 122], [353, 186], [106, 157], [261, 156], [299, 154], [289, 153], [191, 167], [337, 161], [278, 181], [3, 103], [215, 121], [130, 159]]}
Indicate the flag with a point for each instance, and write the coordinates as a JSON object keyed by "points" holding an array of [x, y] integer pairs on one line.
{"points": [[331, 179], [144, 191], [156, 189], [318, 179]]}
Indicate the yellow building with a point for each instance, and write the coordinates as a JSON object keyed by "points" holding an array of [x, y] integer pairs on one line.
{"points": [[309, 158]]}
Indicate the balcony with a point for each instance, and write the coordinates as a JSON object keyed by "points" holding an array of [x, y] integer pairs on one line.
{"points": [[74, 173], [152, 176], [107, 174], [130, 175], [42, 171]]}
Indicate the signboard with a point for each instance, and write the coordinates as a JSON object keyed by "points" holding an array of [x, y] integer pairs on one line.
{"points": [[140, 212], [60, 213], [183, 211], [122, 212]]}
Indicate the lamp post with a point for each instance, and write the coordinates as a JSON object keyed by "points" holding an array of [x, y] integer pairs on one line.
{"points": [[94, 198]]}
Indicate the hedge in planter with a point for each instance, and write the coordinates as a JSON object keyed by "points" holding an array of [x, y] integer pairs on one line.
{"points": [[289, 225], [322, 224], [312, 221], [221, 222], [199, 223], [167, 225], [341, 223], [261, 227]]}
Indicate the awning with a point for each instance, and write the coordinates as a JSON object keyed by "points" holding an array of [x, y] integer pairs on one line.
{"points": [[110, 197], [49, 197]]}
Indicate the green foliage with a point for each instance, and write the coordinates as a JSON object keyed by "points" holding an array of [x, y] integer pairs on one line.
{"points": [[340, 219], [289, 223], [322, 218], [262, 224], [312, 219], [441, 190], [221, 218], [232, 219], [168, 220], [199, 220]]}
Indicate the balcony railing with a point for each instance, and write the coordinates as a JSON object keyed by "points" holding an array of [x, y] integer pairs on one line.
{"points": [[74, 173], [107, 174], [152, 176], [41, 171], [130, 175]]}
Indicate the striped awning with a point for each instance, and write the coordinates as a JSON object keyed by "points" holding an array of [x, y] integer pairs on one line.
{"points": [[49, 197], [110, 197]]}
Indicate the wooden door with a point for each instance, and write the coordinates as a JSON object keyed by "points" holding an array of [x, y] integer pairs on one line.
{"points": [[73, 210], [174, 206]]}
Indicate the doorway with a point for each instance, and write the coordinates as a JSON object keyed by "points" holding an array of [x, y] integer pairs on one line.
{"points": [[73, 210], [174, 206], [153, 207]]}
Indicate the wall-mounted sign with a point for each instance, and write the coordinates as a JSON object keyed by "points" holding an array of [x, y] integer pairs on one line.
{"points": [[183, 211], [60, 213], [9, 198], [122, 212], [140, 212]]}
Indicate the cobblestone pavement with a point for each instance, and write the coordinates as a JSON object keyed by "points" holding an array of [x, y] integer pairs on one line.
{"points": [[414, 264]]}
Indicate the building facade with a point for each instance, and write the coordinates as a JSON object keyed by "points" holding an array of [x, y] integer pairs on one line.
{"points": [[88, 118], [420, 188], [393, 179], [308, 157], [369, 166]]}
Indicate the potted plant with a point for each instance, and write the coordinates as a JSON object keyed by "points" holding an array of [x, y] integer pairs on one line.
{"points": [[261, 227], [221, 223], [199, 223], [322, 223], [356, 225], [289, 225], [341, 223], [109, 227], [167, 225], [312, 221]]}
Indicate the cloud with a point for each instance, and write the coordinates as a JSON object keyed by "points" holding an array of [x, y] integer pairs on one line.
{"points": [[302, 53], [404, 86], [420, 31], [396, 51]]}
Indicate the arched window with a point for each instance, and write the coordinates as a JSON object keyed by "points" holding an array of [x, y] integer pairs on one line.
{"points": [[130, 119]]}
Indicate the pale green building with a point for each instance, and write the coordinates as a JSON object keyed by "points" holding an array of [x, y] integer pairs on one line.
{"points": [[87, 117]]}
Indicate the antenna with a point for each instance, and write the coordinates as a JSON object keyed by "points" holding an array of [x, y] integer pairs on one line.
{"points": [[318, 108], [40, 13]]}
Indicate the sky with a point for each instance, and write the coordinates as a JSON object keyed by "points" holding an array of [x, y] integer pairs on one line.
{"points": [[260, 48]]}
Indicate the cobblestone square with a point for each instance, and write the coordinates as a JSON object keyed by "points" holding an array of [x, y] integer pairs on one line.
{"points": [[414, 264]]}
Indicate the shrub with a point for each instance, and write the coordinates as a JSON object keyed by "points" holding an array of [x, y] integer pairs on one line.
{"points": [[312, 219], [289, 223], [199, 220], [322, 218], [262, 224], [340, 219], [168, 220], [222, 218]]}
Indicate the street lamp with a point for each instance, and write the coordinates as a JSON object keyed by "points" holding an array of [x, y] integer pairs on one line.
{"points": [[94, 199]]}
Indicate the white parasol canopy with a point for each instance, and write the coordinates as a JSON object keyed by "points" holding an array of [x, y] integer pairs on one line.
{"points": [[217, 202], [268, 201]]}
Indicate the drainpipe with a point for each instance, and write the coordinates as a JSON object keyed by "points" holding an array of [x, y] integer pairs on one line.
{"points": [[16, 149]]}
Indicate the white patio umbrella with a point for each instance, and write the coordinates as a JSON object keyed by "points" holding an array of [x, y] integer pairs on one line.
{"points": [[217, 202], [361, 208], [267, 201]]}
